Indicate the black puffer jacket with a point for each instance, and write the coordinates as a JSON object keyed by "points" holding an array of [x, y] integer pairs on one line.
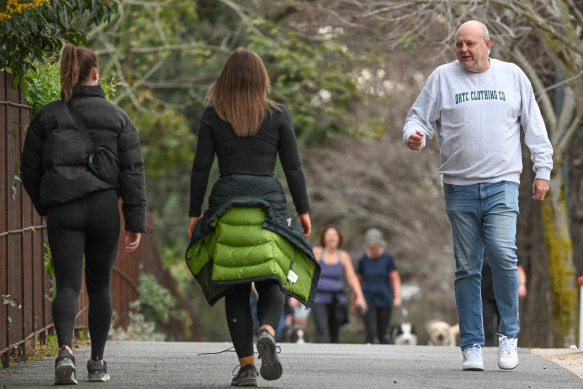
{"points": [[54, 158]]}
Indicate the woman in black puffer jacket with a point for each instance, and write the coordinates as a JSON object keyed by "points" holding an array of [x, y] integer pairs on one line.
{"points": [[81, 209]]}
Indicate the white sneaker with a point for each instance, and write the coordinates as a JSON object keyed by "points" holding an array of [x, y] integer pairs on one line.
{"points": [[507, 352], [473, 359]]}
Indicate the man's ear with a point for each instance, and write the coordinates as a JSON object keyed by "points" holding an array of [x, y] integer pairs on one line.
{"points": [[95, 74]]}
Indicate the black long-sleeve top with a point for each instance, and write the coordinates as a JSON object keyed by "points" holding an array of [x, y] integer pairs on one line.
{"points": [[252, 155]]}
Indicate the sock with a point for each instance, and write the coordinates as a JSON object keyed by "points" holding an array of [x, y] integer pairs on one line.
{"points": [[247, 361]]}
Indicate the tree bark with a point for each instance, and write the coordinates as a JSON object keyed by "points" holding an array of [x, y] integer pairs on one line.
{"points": [[560, 254]]}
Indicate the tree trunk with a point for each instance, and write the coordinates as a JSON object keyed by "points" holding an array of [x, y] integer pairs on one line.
{"points": [[560, 255], [576, 199]]}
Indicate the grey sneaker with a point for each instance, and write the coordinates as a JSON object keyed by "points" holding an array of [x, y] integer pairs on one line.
{"points": [[247, 376], [473, 359], [65, 368], [507, 352], [271, 368], [96, 372]]}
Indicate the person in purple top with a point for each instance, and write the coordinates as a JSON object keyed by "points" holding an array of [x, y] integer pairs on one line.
{"points": [[381, 285], [335, 264]]}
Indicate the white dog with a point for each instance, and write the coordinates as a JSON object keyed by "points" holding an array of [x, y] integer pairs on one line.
{"points": [[442, 334], [403, 333], [295, 334]]}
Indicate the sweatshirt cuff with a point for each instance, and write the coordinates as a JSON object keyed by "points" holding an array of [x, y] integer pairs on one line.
{"points": [[543, 174]]}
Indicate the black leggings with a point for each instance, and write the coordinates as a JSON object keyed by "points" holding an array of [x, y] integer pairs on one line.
{"points": [[87, 226], [327, 326], [376, 321], [270, 301]]}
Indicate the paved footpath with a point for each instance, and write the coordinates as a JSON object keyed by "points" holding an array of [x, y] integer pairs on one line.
{"points": [[199, 365]]}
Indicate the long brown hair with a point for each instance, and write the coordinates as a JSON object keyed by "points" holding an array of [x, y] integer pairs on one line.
{"points": [[240, 92], [76, 65]]}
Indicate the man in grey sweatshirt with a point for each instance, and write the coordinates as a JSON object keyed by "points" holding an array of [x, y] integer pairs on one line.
{"points": [[476, 105]]}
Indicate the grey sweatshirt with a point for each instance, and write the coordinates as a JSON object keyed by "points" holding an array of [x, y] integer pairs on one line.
{"points": [[477, 117]]}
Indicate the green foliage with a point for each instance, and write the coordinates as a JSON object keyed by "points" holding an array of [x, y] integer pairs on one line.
{"points": [[43, 351], [210, 320], [15, 181], [43, 84], [156, 302], [29, 36], [138, 329], [49, 271], [313, 78], [13, 302], [155, 307], [165, 138]]}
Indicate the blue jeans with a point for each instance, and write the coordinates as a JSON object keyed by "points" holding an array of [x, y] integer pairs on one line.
{"points": [[483, 218]]}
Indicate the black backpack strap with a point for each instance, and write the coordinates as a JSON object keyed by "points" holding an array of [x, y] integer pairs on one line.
{"points": [[80, 126]]}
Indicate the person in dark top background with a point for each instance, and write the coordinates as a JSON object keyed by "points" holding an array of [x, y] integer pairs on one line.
{"points": [[247, 131], [81, 209], [490, 313], [381, 285]]}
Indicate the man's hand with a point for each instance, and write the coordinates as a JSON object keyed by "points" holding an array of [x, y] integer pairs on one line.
{"points": [[132, 241], [415, 140], [540, 188]]}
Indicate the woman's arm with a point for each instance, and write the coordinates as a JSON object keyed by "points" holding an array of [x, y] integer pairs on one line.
{"points": [[317, 251], [31, 166], [201, 167], [290, 161], [396, 283], [132, 182], [352, 281], [521, 282]]}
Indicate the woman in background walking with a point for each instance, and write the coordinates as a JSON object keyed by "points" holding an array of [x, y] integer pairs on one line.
{"points": [[82, 209], [329, 311]]}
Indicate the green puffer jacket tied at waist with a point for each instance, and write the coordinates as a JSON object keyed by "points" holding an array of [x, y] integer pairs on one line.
{"points": [[248, 235]]}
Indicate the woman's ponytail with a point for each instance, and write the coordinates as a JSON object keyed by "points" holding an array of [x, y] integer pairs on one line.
{"points": [[69, 71], [77, 62]]}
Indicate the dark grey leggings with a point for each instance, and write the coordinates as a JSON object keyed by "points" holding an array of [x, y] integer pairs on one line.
{"points": [[87, 226], [270, 302]]}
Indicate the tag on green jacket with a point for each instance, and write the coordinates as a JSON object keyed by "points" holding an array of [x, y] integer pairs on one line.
{"points": [[292, 276]]}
